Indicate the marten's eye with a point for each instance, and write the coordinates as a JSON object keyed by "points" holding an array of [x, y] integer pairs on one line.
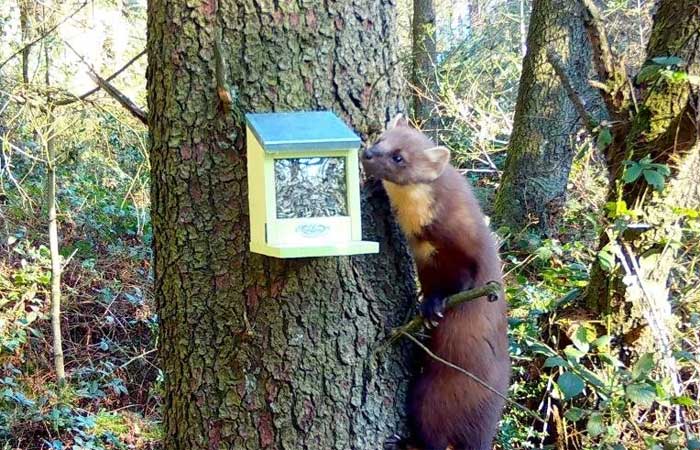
{"points": [[397, 158]]}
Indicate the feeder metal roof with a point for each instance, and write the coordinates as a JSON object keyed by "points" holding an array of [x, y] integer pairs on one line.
{"points": [[298, 131]]}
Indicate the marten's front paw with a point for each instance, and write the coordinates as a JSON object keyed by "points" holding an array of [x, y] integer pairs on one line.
{"points": [[433, 310]]}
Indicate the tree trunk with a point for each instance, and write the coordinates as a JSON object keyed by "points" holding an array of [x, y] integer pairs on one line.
{"points": [[26, 14], [55, 262], [424, 78], [541, 148], [665, 128], [259, 352], [56, 265]]}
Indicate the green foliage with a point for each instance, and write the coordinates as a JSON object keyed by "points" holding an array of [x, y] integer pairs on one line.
{"points": [[655, 174]]}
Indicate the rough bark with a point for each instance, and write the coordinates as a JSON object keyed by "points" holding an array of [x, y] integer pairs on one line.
{"points": [[259, 352], [424, 78], [664, 126], [541, 147]]}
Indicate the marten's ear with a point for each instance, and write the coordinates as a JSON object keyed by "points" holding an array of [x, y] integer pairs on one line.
{"points": [[438, 158], [398, 121]]}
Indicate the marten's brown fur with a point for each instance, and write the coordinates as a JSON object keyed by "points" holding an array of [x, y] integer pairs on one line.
{"points": [[454, 251]]}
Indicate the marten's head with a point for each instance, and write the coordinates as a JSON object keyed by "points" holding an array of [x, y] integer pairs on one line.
{"points": [[404, 155]]}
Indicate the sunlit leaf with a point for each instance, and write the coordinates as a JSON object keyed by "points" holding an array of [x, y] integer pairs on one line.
{"points": [[683, 400]]}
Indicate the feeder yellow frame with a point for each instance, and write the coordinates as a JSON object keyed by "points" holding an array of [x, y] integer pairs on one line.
{"points": [[281, 238]]}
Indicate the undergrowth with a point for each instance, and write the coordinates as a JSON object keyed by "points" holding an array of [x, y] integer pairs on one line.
{"points": [[112, 396]]}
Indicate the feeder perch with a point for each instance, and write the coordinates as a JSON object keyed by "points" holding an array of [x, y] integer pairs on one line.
{"points": [[303, 186]]}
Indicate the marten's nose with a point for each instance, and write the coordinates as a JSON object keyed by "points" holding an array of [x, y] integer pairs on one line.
{"points": [[368, 153]]}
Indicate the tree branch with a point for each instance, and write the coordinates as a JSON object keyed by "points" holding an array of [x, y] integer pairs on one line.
{"points": [[108, 79], [612, 76], [49, 31], [490, 290], [589, 122], [112, 91], [602, 54], [123, 100]]}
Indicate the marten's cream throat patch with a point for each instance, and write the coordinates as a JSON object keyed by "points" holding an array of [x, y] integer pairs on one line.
{"points": [[413, 205]]}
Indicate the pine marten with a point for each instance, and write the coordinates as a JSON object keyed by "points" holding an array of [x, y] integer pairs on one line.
{"points": [[454, 251]]}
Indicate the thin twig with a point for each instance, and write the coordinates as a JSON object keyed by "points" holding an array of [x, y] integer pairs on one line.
{"points": [[490, 289], [474, 378], [115, 93], [611, 76], [109, 78]]}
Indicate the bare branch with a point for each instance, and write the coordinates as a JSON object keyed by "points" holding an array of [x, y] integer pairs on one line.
{"points": [[613, 77], [49, 31], [123, 100], [112, 91], [490, 290], [602, 54], [589, 122], [108, 79]]}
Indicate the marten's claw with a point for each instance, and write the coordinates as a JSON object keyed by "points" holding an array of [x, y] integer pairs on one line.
{"points": [[432, 310], [394, 442]]}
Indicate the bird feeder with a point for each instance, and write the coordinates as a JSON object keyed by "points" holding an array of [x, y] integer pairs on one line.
{"points": [[303, 186]]}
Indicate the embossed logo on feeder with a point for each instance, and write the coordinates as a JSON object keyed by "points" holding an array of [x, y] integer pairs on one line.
{"points": [[312, 230]]}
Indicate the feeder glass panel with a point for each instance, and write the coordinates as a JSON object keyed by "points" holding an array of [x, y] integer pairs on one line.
{"points": [[310, 187]]}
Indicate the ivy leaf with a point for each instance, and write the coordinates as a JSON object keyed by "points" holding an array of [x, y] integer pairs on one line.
{"points": [[602, 341], [648, 73], [632, 172], [595, 425], [570, 384], [643, 366], [604, 138], [641, 394], [693, 444], [663, 169], [655, 179]]}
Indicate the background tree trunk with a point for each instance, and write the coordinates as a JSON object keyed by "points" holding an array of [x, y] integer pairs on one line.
{"points": [[26, 15], [542, 144], [665, 128], [259, 352], [424, 60]]}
